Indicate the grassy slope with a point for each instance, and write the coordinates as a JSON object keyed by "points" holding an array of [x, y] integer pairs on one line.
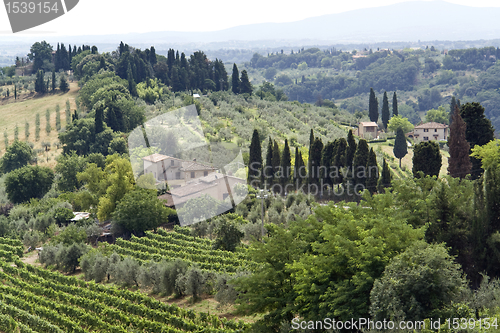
{"points": [[25, 109]]}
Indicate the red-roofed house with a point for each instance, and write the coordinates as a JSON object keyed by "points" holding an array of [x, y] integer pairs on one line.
{"points": [[430, 131]]}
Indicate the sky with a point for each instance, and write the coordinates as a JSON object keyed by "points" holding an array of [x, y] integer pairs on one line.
{"points": [[102, 17]]}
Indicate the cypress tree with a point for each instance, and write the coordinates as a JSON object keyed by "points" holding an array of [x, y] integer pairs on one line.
{"points": [[385, 180], [373, 106], [26, 130], [255, 159], [341, 151], [68, 112], [453, 103], [459, 164], [316, 151], [395, 104], [299, 171], [63, 84], [53, 80], [99, 119], [372, 172], [360, 162], [426, 158], [400, 147], [235, 80], [311, 141], [58, 117], [132, 87], [351, 149], [15, 92], [479, 131], [6, 139], [327, 159], [16, 133], [245, 86], [385, 111], [48, 128], [286, 164], [37, 127], [276, 162], [268, 173]]}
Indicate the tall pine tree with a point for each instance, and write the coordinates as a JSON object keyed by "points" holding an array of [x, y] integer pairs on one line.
{"points": [[453, 104], [268, 172], [479, 131], [54, 83], [386, 114], [299, 170], [276, 161], [427, 159], [255, 160], [245, 85], [235, 80], [286, 164], [351, 149], [459, 164], [372, 172], [395, 104], [315, 153], [360, 162], [373, 106], [385, 179], [341, 152], [400, 147]]}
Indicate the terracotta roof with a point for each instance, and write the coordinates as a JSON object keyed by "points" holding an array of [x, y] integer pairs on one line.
{"points": [[368, 124], [432, 125], [155, 158]]}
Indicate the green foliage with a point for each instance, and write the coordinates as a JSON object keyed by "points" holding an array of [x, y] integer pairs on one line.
{"points": [[439, 116], [72, 234], [68, 166], [399, 122], [17, 155], [349, 250], [140, 210], [417, 284], [427, 159], [150, 91], [77, 134], [270, 289], [228, 236], [28, 182]]}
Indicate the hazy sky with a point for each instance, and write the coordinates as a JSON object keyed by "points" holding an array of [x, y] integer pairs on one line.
{"points": [[97, 17]]}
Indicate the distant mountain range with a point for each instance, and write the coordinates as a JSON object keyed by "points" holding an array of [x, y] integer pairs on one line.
{"points": [[408, 22]]}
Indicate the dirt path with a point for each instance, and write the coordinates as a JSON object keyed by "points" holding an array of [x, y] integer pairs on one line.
{"points": [[31, 258]]}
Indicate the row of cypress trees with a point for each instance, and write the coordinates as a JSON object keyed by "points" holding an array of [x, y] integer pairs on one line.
{"points": [[339, 162]]}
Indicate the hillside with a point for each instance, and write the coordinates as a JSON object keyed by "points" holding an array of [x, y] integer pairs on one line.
{"points": [[24, 109], [423, 78]]}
